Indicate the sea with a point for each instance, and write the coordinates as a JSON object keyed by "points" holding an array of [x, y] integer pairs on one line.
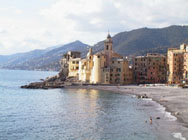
{"points": [[72, 114]]}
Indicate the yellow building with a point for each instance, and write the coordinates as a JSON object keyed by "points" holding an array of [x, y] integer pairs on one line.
{"points": [[70, 63], [177, 64], [85, 67], [105, 67], [185, 67], [74, 67]]}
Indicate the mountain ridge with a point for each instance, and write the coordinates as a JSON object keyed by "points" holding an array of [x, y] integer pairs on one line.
{"points": [[45, 60], [129, 43]]}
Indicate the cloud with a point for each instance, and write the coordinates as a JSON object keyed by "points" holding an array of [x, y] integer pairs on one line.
{"points": [[11, 10], [67, 20], [117, 15]]}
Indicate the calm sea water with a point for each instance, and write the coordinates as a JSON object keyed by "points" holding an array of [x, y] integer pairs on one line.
{"points": [[67, 114]]}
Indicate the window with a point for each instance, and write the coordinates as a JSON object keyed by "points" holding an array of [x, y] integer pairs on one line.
{"points": [[118, 69], [117, 74], [107, 47], [98, 56]]}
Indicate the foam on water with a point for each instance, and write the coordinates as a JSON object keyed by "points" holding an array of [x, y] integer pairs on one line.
{"points": [[147, 99], [162, 109], [167, 114], [178, 136]]}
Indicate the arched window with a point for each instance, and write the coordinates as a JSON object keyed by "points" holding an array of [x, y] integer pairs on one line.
{"points": [[107, 47]]}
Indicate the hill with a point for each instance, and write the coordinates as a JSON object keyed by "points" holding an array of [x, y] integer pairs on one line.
{"points": [[47, 59], [144, 40], [132, 43]]}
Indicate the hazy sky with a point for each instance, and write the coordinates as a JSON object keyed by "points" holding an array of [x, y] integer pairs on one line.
{"points": [[37, 24]]}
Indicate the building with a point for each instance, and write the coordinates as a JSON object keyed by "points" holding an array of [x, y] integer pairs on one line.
{"points": [[70, 63], [150, 69], [105, 67], [177, 64]]}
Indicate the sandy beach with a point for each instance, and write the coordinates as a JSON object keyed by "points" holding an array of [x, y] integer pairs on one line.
{"points": [[171, 106]]}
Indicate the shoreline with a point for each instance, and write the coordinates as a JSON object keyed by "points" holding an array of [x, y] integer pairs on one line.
{"points": [[173, 99]]}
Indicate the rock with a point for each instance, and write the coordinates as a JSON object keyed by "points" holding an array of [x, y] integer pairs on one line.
{"points": [[43, 85], [142, 96], [158, 118], [162, 100], [176, 113], [138, 96]]}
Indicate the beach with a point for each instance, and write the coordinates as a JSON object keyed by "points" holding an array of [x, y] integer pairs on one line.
{"points": [[170, 102]]}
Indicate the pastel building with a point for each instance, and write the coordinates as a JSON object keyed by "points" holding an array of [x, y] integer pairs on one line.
{"points": [[105, 67], [177, 64], [70, 63], [151, 68]]}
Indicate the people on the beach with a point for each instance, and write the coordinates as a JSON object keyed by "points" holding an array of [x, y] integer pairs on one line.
{"points": [[150, 120]]}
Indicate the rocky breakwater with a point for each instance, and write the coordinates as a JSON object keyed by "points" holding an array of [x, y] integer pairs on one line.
{"points": [[50, 83], [56, 81]]}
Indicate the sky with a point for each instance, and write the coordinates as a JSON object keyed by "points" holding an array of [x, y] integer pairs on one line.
{"points": [[37, 24]]}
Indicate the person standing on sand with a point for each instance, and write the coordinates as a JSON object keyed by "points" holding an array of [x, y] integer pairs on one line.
{"points": [[150, 120]]}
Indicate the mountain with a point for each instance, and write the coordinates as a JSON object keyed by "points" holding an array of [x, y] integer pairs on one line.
{"points": [[132, 43], [144, 40], [47, 59]]}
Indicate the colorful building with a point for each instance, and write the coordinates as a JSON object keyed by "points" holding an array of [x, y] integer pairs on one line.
{"points": [[70, 63], [105, 67], [151, 68], [177, 64]]}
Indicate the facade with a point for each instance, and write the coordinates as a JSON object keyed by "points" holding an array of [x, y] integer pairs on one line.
{"points": [[109, 67], [70, 63], [150, 69], [105, 67], [185, 66], [177, 64]]}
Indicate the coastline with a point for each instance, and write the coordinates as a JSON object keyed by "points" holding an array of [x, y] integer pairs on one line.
{"points": [[173, 102]]}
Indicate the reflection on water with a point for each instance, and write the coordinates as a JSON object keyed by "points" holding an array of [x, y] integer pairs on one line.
{"points": [[67, 114]]}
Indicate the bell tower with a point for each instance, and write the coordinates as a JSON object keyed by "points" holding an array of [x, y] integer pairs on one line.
{"points": [[108, 43]]}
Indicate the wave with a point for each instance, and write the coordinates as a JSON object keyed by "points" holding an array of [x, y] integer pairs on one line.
{"points": [[178, 136]]}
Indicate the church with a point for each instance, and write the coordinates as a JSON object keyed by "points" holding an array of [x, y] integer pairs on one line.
{"points": [[104, 67]]}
